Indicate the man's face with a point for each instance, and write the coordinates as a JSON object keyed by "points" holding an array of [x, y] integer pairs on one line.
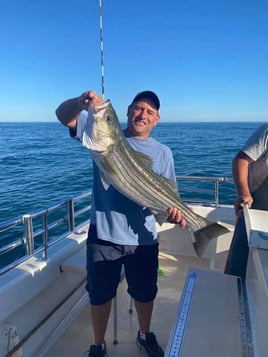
{"points": [[142, 117]]}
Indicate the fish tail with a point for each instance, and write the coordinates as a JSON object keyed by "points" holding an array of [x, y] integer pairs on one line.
{"points": [[204, 235]]}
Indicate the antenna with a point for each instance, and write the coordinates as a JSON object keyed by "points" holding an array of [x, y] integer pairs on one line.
{"points": [[101, 49]]}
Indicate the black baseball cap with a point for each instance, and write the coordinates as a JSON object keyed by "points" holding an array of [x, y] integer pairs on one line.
{"points": [[147, 94]]}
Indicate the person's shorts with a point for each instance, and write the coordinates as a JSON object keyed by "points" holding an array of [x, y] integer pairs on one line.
{"points": [[104, 268]]}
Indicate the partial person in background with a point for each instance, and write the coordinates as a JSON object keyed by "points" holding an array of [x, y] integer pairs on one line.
{"points": [[122, 232], [250, 174]]}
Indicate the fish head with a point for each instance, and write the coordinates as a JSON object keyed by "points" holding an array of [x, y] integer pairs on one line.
{"points": [[103, 128]]}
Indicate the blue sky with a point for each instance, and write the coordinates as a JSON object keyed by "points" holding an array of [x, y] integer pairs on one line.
{"points": [[206, 59]]}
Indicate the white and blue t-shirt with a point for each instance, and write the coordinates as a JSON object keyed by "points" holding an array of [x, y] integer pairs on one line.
{"points": [[119, 219]]}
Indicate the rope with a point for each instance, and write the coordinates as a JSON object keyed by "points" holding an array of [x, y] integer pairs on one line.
{"points": [[101, 49]]}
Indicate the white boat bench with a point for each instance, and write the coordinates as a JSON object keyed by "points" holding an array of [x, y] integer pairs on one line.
{"points": [[207, 322], [219, 315], [76, 263]]}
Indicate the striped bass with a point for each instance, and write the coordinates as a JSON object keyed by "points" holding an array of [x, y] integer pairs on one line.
{"points": [[130, 172]]}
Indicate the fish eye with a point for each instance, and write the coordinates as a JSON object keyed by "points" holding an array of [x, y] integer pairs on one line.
{"points": [[108, 118]]}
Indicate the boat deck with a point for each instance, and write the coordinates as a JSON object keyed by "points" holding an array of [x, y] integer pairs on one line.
{"points": [[52, 315], [77, 338]]}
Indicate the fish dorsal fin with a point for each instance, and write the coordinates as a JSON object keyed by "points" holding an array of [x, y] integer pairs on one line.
{"points": [[148, 163], [145, 159], [172, 185]]}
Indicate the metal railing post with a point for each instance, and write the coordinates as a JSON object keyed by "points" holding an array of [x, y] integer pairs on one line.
{"points": [[71, 215], [217, 193], [45, 235], [28, 232]]}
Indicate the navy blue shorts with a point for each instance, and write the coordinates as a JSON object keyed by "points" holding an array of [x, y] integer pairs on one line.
{"points": [[104, 266]]}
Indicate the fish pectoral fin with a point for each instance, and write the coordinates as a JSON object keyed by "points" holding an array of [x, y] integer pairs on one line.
{"points": [[204, 235], [105, 182]]}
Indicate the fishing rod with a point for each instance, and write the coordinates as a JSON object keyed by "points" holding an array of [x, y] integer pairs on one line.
{"points": [[101, 49]]}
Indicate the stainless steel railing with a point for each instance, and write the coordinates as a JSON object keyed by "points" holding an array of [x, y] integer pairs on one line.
{"points": [[43, 228], [38, 231], [207, 190]]}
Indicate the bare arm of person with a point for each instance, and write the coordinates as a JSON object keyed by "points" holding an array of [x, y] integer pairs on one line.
{"points": [[240, 175], [68, 111]]}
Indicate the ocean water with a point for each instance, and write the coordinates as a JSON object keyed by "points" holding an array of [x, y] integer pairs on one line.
{"points": [[41, 165]]}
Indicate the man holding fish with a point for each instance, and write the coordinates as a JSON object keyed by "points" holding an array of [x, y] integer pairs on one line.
{"points": [[122, 229]]}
